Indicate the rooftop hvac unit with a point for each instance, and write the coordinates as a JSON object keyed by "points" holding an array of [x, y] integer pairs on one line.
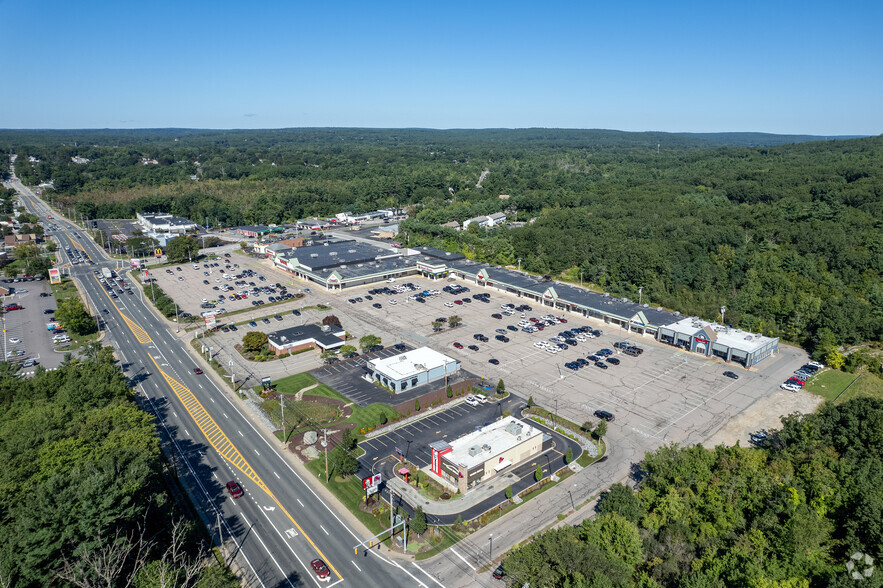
{"points": [[332, 253], [360, 265], [486, 447], [624, 299], [314, 255], [474, 450], [658, 308], [284, 339], [646, 306], [351, 251], [606, 294], [676, 313]]}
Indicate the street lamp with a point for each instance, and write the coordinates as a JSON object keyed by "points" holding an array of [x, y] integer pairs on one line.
{"points": [[491, 551], [723, 310], [640, 291], [325, 445]]}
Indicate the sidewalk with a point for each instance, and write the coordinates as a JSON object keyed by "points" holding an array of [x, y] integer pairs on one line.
{"points": [[456, 505]]}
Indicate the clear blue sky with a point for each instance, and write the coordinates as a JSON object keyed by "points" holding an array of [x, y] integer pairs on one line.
{"points": [[774, 66]]}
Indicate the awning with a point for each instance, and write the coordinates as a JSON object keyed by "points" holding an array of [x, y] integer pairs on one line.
{"points": [[502, 465]]}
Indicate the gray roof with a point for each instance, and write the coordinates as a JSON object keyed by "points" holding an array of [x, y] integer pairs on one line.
{"points": [[439, 253], [333, 254], [303, 333], [357, 270], [254, 228]]}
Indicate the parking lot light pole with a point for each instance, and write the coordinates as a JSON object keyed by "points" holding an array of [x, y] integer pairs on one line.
{"points": [[491, 551]]}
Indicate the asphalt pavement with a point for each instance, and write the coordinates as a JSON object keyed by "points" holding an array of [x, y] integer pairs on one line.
{"points": [[281, 523]]}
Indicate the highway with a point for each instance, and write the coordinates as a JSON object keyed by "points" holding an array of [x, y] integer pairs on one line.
{"points": [[281, 524]]}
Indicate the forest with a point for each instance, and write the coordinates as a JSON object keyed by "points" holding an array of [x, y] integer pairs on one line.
{"points": [[785, 231], [791, 515], [86, 498]]}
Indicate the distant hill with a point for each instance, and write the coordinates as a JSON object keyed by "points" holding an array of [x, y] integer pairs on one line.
{"points": [[585, 138]]}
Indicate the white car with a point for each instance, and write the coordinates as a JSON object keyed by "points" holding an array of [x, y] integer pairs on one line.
{"points": [[390, 281], [539, 344], [472, 401], [790, 387], [580, 338], [14, 340], [449, 304], [552, 350], [393, 301]]}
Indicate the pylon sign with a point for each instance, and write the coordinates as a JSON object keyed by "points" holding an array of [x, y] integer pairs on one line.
{"points": [[54, 275], [157, 252]]}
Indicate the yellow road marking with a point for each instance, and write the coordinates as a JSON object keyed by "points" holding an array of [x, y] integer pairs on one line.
{"points": [[226, 449], [136, 329]]}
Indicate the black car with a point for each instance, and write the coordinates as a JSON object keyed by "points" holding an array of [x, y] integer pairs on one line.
{"points": [[375, 348], [499, 573], [601, 365], [295, 312], [612, 361], [233, 328], [731, 375], [399, 347], [603, 414], [277, 317], [265, 320], [377, 305], [512, 327], [493, 361], [502, 338]]}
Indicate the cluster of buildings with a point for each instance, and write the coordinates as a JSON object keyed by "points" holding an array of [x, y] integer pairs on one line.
{"points": [[337, 264]]}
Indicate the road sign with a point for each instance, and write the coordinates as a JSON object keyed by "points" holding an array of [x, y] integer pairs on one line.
{"points": [[371, 482], [54, 275]]}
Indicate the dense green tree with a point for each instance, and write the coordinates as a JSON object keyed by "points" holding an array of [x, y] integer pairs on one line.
{"points": [[73, 315], [368, 341], [182, 248], [254, 341], [342, 462], [418, 523]]}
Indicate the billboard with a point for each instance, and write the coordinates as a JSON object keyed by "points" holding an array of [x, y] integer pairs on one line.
{"points": [[54, 275], [210, 321]]}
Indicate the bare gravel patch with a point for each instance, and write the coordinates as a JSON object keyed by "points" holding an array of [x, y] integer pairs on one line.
{"points": [[766, 413]]}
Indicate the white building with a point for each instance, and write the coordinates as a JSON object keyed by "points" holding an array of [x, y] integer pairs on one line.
{"points": [[165, 223], [412, 368], [492, 220], [487, 452]]}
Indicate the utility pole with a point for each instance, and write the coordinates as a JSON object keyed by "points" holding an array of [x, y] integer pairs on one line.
{"points": [[723, 310], [640, 292], [491, 553], [325, 445], [519, 265], [177, 324], [221, 539], [282, 401]]}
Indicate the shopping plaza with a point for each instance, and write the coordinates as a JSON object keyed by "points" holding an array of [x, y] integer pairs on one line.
{"points": [[337, 264]]}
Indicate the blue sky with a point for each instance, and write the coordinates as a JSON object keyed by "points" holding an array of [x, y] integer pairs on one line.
{"points": [[774, 66]]}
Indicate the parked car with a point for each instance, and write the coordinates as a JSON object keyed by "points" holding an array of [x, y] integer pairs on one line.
{"points": [[603, 414], [458, 345], [493, 361], [732, 375]]}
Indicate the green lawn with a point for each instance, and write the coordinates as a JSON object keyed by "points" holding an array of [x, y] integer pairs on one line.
{"points": [[350, 493], [832, 382], [362, 417], [66, 290]]}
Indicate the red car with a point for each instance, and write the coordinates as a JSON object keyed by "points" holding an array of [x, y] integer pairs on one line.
{"points": [[197, 371], [497, 315], [14, 307], [460, 302], [234, 489], [458, 345], [562, 320], [796, 382], [321, 570]]}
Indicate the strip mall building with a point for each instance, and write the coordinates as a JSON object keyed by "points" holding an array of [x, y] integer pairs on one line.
{"points": [[340, 264]]}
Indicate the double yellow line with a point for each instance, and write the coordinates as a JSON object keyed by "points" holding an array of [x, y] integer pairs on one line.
{"points": [[213, 433]]}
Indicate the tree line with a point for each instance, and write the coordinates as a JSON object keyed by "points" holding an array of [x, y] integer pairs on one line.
{"points": [[788, 516], [85, 498], [788, 237]]}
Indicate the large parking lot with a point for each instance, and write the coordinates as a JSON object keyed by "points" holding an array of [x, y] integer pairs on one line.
{"points": [[213, 282], [26, 336], [663, 395]]}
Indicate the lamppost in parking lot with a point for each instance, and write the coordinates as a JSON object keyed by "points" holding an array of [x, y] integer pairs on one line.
{"points": [[491, 551]]}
